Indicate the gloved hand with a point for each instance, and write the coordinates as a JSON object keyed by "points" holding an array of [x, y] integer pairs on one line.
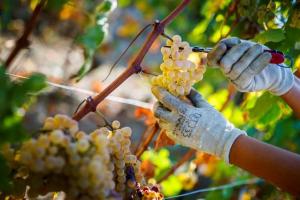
{"points": [[247, 66], [198, 126]]}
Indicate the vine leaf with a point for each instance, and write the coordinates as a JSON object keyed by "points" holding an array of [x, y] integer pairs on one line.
{"points": [[93, 36], [90, 40], [148, 168], [14, 96], [4, 173], [56, 4], [106, 6], [271, 35], [266, 109]]}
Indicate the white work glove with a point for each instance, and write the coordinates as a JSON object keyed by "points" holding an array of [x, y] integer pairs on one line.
{"points": [[247, 66], [198, 126]]}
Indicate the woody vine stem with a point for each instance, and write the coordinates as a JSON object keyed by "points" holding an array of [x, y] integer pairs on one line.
{"points": [[134, 66], [23, 42]]}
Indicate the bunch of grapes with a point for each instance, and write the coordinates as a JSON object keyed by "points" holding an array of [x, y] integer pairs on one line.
{"points": [[178, 73], [84, 166]]}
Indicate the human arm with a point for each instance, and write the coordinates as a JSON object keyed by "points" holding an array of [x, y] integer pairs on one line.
{"points": [[292, 97], [275, 165], [201, 127]]}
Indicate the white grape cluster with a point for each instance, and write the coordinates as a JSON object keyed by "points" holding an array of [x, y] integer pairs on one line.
{"points": [[178, 73], [89, 166], [122, 157]]}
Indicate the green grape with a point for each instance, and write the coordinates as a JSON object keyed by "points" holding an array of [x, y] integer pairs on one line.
{"points": [[83, 145], [115, 124]]}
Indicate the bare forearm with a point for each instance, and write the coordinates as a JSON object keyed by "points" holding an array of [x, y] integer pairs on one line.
{"points": [[292, 97], [278, 166]]}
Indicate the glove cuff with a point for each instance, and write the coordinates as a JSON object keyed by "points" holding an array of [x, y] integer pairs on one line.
{"points": [[229, 137], [218, 142], [284, 84]]}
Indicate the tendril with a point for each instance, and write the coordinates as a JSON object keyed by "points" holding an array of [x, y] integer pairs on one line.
{"points": [[124, 52]]}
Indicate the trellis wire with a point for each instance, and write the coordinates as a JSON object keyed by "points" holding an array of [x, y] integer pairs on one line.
{"points": [[133, 102], [221, 187]]}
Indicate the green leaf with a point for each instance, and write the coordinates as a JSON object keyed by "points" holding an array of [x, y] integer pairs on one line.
{"points": [[92, 38], [105, 6], [56, 4], [272, 35], [35, 83], [5, 183], [124, 3], [272, 115], [84, 68], [263, 104], [292, 35], [91, 41]]}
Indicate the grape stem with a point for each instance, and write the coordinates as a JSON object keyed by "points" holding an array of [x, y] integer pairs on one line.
{"points": [[23, 41], [186, 157], [124, 52], [135, 65]]}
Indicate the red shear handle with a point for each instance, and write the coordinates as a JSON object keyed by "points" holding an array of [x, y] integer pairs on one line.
{"points": [[277, 56]]}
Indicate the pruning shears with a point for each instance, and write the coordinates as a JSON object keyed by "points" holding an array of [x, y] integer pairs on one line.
{"points": [[277, 56]]}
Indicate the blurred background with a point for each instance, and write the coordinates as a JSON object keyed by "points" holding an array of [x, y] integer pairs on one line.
{"points": [[75, 42]]}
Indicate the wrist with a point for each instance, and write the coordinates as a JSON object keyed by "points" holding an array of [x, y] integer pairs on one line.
{"points": [[295, 85], [292, 97], [218, 140], [230, 137]]}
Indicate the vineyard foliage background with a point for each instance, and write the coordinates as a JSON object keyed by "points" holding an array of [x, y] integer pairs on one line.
{"points": [[93, 33]]}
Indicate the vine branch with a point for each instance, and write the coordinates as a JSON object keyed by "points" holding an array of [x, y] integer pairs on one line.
{"points": [[135, 66], [143, 137], [171, 171], [147, 141], [23, 41]]}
